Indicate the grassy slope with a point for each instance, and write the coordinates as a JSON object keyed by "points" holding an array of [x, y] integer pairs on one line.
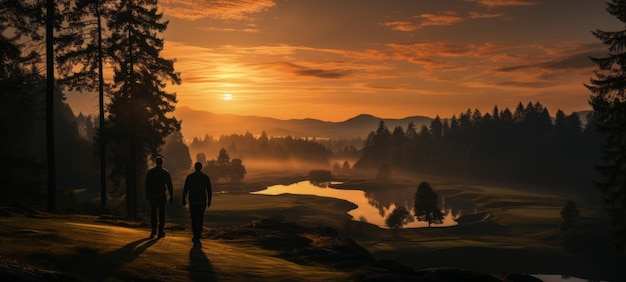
{"points": [[520, 234], [518, 231], [94, 251]]}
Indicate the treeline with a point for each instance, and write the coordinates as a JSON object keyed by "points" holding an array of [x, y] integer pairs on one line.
{"points": [[246, 147], [23, 149], [83, 40], [525, 145]]}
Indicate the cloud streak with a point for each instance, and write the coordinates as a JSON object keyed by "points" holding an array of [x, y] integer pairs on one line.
{"points": [[423, 20], [500, 3], [446, 18], [216, 9]]}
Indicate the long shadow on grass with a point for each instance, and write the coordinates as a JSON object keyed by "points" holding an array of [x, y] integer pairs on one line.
{"points": [[200, 268], [105, 265], [124, 255]]}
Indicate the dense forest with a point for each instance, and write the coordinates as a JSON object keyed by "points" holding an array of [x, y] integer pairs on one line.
{"points": [[43, 152], [248, 147], [526, 145]]}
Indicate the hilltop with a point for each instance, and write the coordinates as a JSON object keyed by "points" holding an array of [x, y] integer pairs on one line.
{"points": [[44, 247], [197, 123]]}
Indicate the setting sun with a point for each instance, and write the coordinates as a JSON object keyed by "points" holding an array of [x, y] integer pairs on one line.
{"points": [[227, 96]]}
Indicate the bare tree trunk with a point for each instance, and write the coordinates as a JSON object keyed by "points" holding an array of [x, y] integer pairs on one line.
{"points": [[50, 106], [133, 146], [103, 179]]}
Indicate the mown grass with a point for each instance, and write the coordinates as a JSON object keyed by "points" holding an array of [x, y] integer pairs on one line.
{"points": [[92, 251], [517, 230]]}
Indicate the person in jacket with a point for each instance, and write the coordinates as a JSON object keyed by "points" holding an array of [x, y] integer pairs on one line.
{"points": [[158, 180], [198, 186]]}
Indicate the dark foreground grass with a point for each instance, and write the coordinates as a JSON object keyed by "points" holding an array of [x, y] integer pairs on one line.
{"points": [[514, 230], [90, 251]]}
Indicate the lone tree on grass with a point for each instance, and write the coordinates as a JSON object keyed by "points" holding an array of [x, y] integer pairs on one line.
{"points": [[426, 205], [608, 100], [398, 218]]}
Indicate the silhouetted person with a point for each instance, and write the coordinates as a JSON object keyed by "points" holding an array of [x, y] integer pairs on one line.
{"points": [[157, 181], [198, 185]]}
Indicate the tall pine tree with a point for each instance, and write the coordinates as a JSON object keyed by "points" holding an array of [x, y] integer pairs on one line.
{"points": [[140, 108], [81, 57], [608, 100]]}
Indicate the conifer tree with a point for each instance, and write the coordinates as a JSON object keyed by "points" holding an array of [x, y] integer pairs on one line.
{"points": [[17, 109], [81, 58], [139, 111], [608, 100], [426, 205]]}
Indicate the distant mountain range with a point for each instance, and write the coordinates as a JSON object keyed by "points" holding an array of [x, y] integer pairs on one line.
{"points": [[198, 123]]}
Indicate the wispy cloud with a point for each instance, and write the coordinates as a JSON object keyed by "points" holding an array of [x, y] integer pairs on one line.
{"points": [[218, 9], [250, 29], [477, 15], [559, 58], [498, 3], [446, 18], [423, 20], [300, 70]]}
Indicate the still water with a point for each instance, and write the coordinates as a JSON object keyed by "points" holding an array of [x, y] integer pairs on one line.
{"points": [[371, 208]]}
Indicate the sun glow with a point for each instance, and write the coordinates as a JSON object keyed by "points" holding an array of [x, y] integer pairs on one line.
{"points": [[227, 96]]}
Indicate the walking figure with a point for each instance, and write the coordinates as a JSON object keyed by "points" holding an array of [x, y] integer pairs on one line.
{"points": [[158, 180], [198, 185]]}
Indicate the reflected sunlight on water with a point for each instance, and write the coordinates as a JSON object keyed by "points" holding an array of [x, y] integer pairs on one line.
{"points": [[365, 211]]}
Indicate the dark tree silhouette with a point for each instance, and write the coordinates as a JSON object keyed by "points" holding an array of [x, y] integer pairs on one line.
{"points": [[225, 169], [265, 148], [521, 147], [398, 218], [50, 148], [608, 100], [426, 205], [237, 170], [320, 177], [139, 108], [569, 214], [81, 45], [346, 167], [376, 148], [19, 96], [223, 158], [176, 154]]}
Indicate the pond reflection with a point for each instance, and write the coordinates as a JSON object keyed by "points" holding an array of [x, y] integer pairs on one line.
{"points": [[372, 207]]}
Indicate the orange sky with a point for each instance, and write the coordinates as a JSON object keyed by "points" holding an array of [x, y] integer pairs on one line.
{"points": [[335, 59]]}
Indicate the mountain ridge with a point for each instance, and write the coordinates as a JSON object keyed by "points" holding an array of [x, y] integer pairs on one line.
{"points": [[198, 123]]}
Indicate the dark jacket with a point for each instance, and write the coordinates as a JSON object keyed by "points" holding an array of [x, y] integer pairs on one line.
{"points": [[198, 185], [157, 181]]}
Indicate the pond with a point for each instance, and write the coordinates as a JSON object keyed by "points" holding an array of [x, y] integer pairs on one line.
{"points": [[372, 208]]}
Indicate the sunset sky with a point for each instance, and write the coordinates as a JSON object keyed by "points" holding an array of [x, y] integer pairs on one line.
{"points": [[334, 59]]}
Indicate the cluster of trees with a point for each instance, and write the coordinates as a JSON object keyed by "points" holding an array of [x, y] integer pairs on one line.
{"points": [[246, 146], [343, 169], [223, 169], [176, 154], [82, 38], [524, 145], [425, 208]]}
